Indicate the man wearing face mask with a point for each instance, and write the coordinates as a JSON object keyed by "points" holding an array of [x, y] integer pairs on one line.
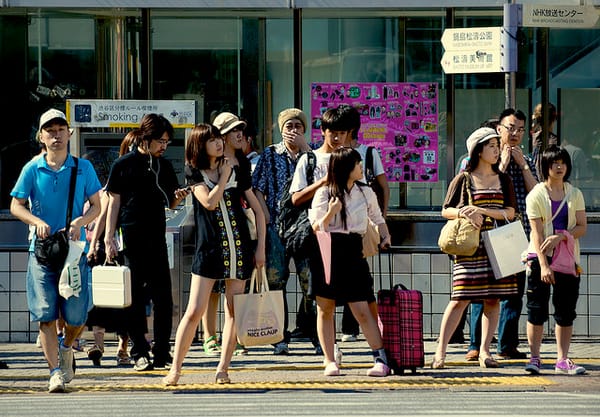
{"points": [[522, 171], [141, 185]]}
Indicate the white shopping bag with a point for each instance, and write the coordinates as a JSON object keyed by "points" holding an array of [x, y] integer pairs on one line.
{"points": [[504, 246]]}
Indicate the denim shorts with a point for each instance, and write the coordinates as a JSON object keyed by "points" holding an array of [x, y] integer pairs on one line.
{"points": [[44, 301]]}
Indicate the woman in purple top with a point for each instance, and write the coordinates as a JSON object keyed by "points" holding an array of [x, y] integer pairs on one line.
{"points": [[556, 212]]}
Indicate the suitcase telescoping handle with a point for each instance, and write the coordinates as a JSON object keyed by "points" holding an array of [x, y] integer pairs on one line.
{"points": [[381, 253]]}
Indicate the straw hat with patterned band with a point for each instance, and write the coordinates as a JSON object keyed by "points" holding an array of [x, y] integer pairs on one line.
{"points": [[226, 122]]}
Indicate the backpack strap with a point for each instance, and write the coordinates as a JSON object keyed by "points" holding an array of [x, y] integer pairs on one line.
{"points": [[369, 173], [310, 167]]}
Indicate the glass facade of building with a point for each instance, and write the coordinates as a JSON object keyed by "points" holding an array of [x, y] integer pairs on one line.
{"points": [[245, 61]]}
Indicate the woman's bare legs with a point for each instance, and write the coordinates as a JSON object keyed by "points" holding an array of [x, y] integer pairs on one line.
{"points": [[489, 322], [450, 320], [326, 327], [200, 290], [364, 316], [232, 287]]}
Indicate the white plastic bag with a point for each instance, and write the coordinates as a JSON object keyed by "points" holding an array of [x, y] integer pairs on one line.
{"points": [[69, 283]]}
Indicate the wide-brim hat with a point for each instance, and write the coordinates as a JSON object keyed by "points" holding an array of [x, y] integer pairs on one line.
{"points": [[226, 122]]}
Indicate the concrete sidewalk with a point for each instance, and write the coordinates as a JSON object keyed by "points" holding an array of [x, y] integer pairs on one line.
{"points": [[302, 369]]}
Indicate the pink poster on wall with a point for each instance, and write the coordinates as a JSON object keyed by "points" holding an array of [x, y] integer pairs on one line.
{"points": [[399, 119]]}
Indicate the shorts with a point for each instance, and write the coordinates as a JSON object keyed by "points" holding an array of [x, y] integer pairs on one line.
{"points": [[45, 303], [565, 293]]}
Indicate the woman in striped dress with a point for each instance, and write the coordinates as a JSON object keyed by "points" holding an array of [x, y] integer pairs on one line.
{"points": [[472, 276]]}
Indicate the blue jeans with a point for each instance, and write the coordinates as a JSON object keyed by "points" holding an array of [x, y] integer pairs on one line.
{"points": [[475, 326], [508, 323]]}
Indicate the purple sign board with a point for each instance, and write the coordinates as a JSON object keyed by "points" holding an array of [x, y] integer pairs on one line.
{"points": [[399, 119]]}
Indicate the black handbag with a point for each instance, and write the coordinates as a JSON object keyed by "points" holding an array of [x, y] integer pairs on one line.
{"points": [[52, 251]]}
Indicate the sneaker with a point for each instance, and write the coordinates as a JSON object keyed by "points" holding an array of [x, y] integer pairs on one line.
{"points": [[281, 348], [66, 363], [162, 363], [348, 338], [57, 382], [123, 359], [380, 369], [211, 346], [566, 366], [95, 354], [240, 350], [534, 366], [142, 364]]}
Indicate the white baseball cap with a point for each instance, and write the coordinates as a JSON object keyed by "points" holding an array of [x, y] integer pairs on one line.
{"points": [[51, 115]]}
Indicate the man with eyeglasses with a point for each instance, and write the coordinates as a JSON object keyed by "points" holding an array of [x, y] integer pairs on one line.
{"points": [[521, 168], [141, 184]]}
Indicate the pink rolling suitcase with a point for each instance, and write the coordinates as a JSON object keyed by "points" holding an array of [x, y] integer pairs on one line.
{"points": [[401, 323]]}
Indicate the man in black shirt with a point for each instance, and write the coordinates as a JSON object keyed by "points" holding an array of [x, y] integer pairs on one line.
{"points": [[141, 185]]}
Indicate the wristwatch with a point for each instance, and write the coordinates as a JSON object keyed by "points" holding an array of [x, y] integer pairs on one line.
{"points": [[525, 167]]}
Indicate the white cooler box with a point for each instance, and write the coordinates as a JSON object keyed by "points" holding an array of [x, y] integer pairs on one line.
{"points": [[111, 286]]}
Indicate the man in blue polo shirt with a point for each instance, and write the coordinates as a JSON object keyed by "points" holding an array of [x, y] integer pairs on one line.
{"points": [[40, 199]]}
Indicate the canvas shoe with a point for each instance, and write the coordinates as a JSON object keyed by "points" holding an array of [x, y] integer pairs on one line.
{"points": [[57, 382], [142, 364], [281, 348], [534, 366], [348, 338], [66, 363], [379, 369], [567, 367]]}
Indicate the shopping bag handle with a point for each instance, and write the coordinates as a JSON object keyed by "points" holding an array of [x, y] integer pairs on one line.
{"points": [[261, 284]]}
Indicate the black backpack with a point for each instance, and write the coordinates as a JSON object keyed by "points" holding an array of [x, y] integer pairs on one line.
{"points": [[294, 227]]}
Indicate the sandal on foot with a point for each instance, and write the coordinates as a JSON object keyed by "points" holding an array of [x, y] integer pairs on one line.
{"points": [[240, 350], [95, 354], [488, 362], [222, 377], [171, 379], [211, 346], [123, 359], [438, 363]]}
